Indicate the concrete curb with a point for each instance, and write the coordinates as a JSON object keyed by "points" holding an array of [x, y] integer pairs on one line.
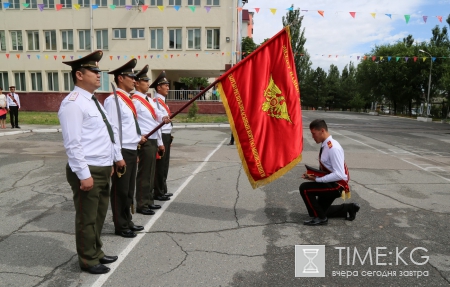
{"points": [[53, 130]]}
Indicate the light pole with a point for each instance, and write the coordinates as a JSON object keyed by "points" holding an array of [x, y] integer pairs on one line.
{"points": [[429, 80]]}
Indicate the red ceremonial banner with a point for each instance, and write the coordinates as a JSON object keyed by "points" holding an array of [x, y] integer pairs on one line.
{"points": [[261, 96]]}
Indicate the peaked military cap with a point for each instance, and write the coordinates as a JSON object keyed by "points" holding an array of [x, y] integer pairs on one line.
{"points": [[142, 75], [127, 69], [89, 62], [160, 80]]}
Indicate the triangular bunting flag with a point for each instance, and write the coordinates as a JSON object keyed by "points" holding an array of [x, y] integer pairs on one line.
{"points": [[18, 56], [125, 57], [139, 57], [273, 10], [145, 56], [55, 57], [171, 56], [59, 7], [239, 9], [128, 7], [132, 57], [110, 57], [63, 57], [389, 15], [77, 6], [365, 57], [165, 56], [373, 15], [406, 59], [46, 57], [157, 56], [71, 57], [25, 5], [257, 10], [397, 58], [290, 8], [118, 57], [439, 18], [112, 7], [353, 14], [357, 58], [207, 8], [176, 7], [192, 8], [94, 6], [434, 59], [28, 56], [196, 55], [415, 59], [38, 56], [151, 56], [41, 7], [381, 58], [161, 8], [321, 12], [425, 18], [144, 8], [424, 58], [6, 5], [407, 17], [374, 58], [389, 58]]}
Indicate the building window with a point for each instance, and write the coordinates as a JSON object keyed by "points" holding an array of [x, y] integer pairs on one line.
{"points": [[16, 41], [66, 3], [156, 2], [175, 39], [32, 4], [52, 78], [4, 82], [137, 33], [67, 40], [49, 3], [194, 2], [19, 77], [174, 2], [156, 39], [102, 39], [104, 82], [84, 3], [14, 4], [33, 40], [101, 3], [36, 81], [119, 2], [68, 82], [2, 41], [84, 39], [120, 33], [50, 40], [213, 39], [213, 2], [193, 38]]}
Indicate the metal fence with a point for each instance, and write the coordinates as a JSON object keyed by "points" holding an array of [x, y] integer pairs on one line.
{"points": [[186, 95]]}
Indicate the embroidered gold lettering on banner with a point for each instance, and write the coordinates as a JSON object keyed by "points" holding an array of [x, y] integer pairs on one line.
{"points": [[275, 106]]}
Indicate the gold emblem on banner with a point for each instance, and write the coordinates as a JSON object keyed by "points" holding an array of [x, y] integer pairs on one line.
{"points": [[275, 106]]}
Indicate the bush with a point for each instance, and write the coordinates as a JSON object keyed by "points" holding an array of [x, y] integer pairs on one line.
{"points": [[193, 110]]}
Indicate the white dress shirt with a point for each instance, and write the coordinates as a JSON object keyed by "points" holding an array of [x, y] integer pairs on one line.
{"points": [[167, 128], [145, 119], [333, 159], [85, 135], [130, 137], [10, 102]]}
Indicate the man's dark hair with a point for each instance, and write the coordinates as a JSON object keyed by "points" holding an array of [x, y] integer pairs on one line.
{"points": [[73, 73], [318, 125]]}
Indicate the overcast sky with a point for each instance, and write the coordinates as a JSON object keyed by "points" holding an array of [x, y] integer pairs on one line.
{"points": [[337, 33]]}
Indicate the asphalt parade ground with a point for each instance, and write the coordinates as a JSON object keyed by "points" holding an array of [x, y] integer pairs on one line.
{"points": [[217, 231]]}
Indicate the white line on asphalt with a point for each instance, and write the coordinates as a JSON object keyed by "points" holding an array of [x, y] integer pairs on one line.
{"points": [[425, 169], [102, 279], [360, 142]]}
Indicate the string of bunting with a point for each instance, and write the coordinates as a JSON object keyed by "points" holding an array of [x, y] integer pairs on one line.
{"points": [[171, 56], [143, 8]]}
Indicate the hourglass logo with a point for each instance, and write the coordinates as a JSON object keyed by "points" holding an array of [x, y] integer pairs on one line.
{"points": [[309, 260]]}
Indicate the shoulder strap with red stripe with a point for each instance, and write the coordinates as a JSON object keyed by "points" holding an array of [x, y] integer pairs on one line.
{"points": [[161, 102], [146, 104], [127, 101]]}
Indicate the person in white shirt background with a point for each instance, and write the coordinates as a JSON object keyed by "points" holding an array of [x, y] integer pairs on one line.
{"points": [[3, 109], [13, 106]]}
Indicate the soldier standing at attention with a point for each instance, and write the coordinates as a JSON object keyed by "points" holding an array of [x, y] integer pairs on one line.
{"points": [[91, 145], [122, 189], [149, 117], [161, 86]]}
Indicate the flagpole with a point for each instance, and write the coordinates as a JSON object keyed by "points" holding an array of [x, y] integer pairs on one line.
{"points": [[185, 106]]}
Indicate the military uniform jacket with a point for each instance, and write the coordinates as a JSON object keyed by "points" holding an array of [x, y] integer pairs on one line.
{"points": [[10, 102], [130, 137], [167, 128], [145, 118], [85, 135], [333, 159]]}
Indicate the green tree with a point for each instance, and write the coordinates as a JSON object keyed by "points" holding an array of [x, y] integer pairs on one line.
{"points": [[248, 46], [298, 40], [195, 83], [333, 86]]}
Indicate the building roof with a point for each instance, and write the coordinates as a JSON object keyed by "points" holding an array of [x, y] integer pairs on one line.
{"points": [[245, 15]]}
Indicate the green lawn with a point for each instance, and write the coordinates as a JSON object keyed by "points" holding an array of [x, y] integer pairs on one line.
{"points": [[51, 118]]}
